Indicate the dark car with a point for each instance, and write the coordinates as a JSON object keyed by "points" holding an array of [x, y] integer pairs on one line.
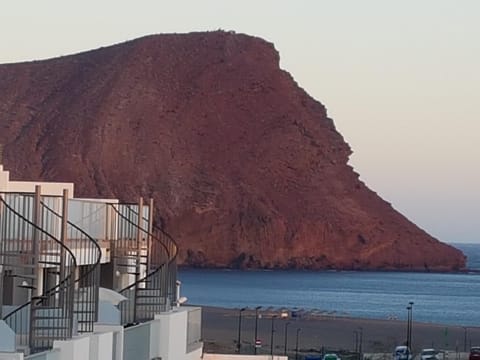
{"points": [[474, 353]]}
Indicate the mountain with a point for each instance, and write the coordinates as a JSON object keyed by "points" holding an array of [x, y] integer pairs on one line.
{"points": [[246, 169]]}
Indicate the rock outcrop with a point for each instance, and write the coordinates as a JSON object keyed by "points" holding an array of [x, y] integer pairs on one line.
{"points": [[246, 169]]}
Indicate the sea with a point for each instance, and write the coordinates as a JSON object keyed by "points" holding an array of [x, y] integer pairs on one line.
{"points": [[440, 298]]}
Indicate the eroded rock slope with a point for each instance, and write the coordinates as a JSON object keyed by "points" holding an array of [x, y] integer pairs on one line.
{"points": [[246, 169]]}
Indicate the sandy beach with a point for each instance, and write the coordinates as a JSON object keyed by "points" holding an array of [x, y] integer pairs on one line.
{"points": [[333, 333]]}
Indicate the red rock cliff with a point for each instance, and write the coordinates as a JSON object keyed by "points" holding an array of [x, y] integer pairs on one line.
{"points": [[246, 168]]}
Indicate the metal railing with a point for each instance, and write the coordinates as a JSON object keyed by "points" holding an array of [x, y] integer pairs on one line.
{"points": [[28, 250], [88, 254], [154, 262], [169, 267], [56, 264]]}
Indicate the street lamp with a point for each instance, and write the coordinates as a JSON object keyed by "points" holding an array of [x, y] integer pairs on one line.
{"points": [[411, 325], [355, 343], [239, 329], [296, 346], [256, 328], [360, 342], [408, 327], [271, 336], [465, 339], [285, 342]]}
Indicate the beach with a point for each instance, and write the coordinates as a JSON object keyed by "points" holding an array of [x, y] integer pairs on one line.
{"points": [[330, 332]]}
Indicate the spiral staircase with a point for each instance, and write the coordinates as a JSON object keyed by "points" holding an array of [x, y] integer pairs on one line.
{"points": [[52, 265], [148, 254]]}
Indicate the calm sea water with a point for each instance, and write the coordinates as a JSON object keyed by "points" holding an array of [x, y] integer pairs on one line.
{"points": [[472, 251], [438, 298]]}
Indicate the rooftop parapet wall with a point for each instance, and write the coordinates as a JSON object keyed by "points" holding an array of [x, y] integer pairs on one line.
{"points": [[48, 188]]}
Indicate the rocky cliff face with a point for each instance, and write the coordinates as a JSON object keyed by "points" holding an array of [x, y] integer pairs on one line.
{"points": [[246, 169]]}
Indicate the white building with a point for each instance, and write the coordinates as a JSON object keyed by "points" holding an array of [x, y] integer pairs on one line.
{"points": [[88, 279]]}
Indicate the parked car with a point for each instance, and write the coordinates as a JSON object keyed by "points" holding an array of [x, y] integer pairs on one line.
{"points": [[474, 353], [402, 352], [429, 354], [331, 356]]}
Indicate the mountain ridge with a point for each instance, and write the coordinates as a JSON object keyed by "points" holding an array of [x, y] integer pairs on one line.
{"points": [[246, 169]]}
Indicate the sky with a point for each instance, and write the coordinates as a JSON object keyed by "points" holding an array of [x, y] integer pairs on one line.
{"points": [[401, 79]]}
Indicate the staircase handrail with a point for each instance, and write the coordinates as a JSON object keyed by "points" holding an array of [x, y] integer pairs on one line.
{"points": [[169, 237], [154, 291], [92, 240], [59, 334], [148, 234], [86, 303], [49, 291]]}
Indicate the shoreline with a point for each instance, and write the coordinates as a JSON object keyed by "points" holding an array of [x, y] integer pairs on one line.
{"points": [[402, 270], [330, 332], [316, 314]]}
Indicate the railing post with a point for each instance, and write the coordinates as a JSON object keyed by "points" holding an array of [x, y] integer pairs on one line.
{"points": [[37, 282], [37, 285], [2, 260], [63, 236], [150, 232], [139, 256], [113, 241]]}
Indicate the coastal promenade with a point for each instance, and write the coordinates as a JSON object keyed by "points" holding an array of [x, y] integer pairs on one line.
{"points": [[333, 333]]}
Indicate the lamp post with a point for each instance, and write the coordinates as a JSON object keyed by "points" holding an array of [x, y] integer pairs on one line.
{"points": [[360, 342], [271, 335], [408, 327], [465, 339], [355, 333], [256, 328], [239, 344], [296, 346], [411, 325], [286, 336]]}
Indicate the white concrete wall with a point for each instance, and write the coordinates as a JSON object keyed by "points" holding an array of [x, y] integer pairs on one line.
{"points": [[53, 189], [164, 337], [11, 356], [46, 355], [77, 348], [136, 342], [101, 346], [48, 188], [7, 337], [108, 314], [117, 338], [4, 178], [168, 337]]}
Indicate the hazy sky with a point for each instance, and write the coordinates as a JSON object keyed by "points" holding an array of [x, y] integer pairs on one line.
{"points": [[401, 79]]}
